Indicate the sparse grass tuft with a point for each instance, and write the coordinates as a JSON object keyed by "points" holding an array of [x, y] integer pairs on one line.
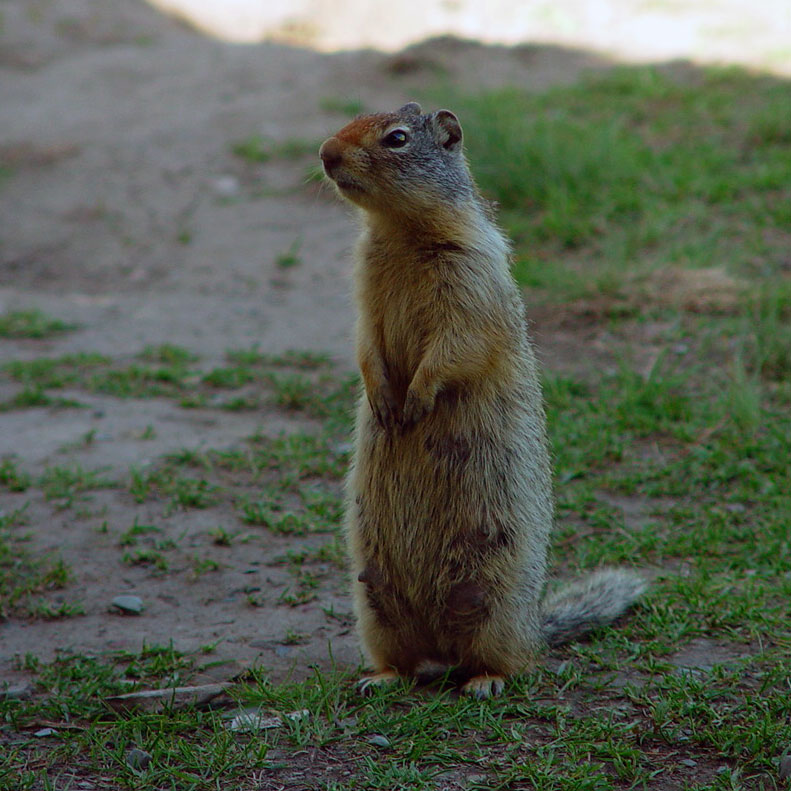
{"points": [[31, 324], [25, 577], [342, 106], [168, 354], [69, 483], [289, 258], [12, 477], [252, 149], [256, 149]]}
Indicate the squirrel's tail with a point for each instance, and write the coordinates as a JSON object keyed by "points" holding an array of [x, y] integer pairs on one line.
{"points": [[593, 601]]}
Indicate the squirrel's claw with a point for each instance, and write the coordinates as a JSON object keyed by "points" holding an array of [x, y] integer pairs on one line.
{"points": [[384, 408], [367, 684], [482, 687], [415, 408]]}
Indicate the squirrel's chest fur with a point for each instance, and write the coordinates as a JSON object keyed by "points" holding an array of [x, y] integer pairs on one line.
{"points": [[397, 291], [447, 519]]}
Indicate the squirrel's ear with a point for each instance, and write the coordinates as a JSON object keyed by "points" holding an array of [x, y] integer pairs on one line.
{"points": [[411, 108], [447, 129]]}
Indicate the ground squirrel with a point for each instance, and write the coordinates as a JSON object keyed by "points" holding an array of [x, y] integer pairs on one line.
{"points": [[449, 494]]}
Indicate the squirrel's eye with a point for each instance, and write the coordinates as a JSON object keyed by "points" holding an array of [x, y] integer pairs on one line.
{"points": [[396, 139]]}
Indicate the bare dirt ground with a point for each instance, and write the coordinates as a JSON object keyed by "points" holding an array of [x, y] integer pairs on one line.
{"points": [[125, 212]]}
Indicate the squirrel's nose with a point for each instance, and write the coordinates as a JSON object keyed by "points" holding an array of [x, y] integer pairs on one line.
{"points": [[331, 156]]}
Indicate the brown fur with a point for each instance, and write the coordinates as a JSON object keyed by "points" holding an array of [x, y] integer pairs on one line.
{"points": [[450, 504]]}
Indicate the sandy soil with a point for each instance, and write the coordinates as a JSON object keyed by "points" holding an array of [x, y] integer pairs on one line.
{"points": [[125, 211]]}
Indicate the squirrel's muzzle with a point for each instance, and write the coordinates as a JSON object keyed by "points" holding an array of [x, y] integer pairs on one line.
{"points": [[331, 156]]}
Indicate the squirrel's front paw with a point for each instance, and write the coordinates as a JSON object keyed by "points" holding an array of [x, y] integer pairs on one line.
{"points": [[416, 407], [384, 406]]}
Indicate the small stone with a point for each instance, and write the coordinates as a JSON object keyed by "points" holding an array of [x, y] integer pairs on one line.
{"points": [[378, 740], [17, 692], [45, 732], [138, 759], [128, 604], [252, 720], [226, 186], [688, 762], [785, 766]]}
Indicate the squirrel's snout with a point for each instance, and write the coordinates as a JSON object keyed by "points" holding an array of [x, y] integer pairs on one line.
{"points": [[331, 156]]}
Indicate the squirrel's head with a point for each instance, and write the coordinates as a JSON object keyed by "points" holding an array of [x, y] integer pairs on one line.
{"points": [[400, 163]]}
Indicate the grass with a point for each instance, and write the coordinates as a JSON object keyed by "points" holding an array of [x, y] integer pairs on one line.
{"points": [[679, 169], [536, 737], [258, 150], [31, 324], [293, 381], [289, 258], [342, 106], [12, 477], [67, 484], [25, 577], [671, 431]]}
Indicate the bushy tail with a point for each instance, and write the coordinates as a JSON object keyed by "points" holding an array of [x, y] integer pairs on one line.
{"points": [[593, 601]]}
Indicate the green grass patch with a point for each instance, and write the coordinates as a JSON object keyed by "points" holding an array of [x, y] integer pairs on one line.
{"points": [[293, 381], [538, 736], [342, 106], [258, 150], [634, 170], [31, 324], [168, 354], [12, 477], [67, 484], [27, 579]]}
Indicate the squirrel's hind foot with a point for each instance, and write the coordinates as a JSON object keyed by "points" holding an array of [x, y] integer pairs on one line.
{"points": [[367, 684], [482, 687]]}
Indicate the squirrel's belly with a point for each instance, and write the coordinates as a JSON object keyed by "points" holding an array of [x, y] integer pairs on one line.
{"points": [[444, 518]]}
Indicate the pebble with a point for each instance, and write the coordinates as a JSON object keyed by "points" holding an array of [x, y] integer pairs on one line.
{"points": [[251, 720], [45, 732], [688, 762], [378, 740], [785, 766], [226, 186], [138, 759], [127, 603]]}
